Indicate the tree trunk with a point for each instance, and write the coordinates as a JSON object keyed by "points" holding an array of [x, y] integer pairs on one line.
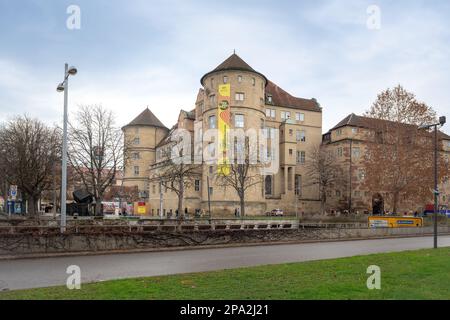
{"points": [[98, 206], [395, 202], [242, 203], [32, 205], [323, 200], [180, 200]]}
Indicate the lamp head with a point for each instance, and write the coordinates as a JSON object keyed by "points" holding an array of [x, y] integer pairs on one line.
{"points": [[424, 127], [60, 87], [72, 71], [442, 120]]}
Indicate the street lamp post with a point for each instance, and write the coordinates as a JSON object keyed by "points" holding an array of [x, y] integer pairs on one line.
{"points": [[64, 86], [442, 121]]}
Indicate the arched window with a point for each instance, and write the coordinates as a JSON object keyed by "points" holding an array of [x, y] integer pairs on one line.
{"points": [[268, 185]]}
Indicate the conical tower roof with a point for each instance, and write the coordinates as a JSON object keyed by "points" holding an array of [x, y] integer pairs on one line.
{"points": [[146, 118], [233, 62]]}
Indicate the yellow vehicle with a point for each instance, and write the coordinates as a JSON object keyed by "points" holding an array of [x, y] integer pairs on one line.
{"points": [[395, 222]]}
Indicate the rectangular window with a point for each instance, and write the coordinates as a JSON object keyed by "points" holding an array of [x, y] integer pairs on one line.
{"points": [[354, 130], [301, 157], [240, 96], [197, 185], [298, 184], [356, 152], [136, 156], [212, 100], [339, 132], [301, 135], [212, 149], [225, 79], [290, 152], [212, 122], [299, 116], [239, 121], [361, 174], [340, 152], [210, 169], [239, 79], [136, 140], [211, 191], [285, 115], [253, 81], [136, 170], [212, 83], [291, 132], [271, 113]]}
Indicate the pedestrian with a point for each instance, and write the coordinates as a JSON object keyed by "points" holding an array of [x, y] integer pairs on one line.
{"points": [[235, 212]]}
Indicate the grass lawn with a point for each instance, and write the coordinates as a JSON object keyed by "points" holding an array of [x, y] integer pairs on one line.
{"points": [[423, 274]]}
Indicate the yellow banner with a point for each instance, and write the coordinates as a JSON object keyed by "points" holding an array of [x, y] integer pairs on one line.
{"points": [[224, 123]]}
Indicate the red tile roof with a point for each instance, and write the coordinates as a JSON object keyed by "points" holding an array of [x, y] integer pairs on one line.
{"points": [[282, 98]]}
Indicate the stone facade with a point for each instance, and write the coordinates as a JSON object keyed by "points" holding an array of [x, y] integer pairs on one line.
{"points": [[256, 103], [348, 142]]}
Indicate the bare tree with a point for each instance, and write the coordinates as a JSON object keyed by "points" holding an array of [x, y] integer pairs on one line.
{"points": [[242, 173], [97, 150], [29, 150], [323, 172], [175, 171], [398, 158]]}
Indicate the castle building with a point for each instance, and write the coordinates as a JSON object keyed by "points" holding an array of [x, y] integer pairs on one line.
{"points": [[256, 103], [142, 134], [348, 142]]}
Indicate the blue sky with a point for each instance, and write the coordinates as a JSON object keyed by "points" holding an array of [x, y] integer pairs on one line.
{"points": [[132, 54]]}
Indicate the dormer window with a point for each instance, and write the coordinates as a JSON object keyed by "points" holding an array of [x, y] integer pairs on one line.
{"points": [[269, 99]]}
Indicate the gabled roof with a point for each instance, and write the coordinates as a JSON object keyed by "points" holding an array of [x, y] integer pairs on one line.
{"points": [[146, 118], [354, 120], [233, 62], [283, 99]]}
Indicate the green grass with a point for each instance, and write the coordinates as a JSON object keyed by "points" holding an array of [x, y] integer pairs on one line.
{"points": [[422, 274]]}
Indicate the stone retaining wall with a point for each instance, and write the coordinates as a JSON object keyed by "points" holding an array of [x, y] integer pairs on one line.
{"points": [[18, 245]]}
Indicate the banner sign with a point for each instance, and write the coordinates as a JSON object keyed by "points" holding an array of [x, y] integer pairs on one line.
{"points": [[224, 123]]}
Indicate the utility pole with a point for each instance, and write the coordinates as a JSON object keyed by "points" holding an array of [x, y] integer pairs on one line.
{"points": [[64, 86], [160, 199], [442, 121], [209, 196]]}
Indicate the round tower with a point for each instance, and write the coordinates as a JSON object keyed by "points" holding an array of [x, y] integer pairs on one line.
{"points": [[247, 106], [141, 136]]}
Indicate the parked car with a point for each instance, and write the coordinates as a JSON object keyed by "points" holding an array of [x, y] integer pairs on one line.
{"points": [[277, 212]]}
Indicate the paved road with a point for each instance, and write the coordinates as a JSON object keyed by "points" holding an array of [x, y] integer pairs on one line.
{"points": [[32, 273]]}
